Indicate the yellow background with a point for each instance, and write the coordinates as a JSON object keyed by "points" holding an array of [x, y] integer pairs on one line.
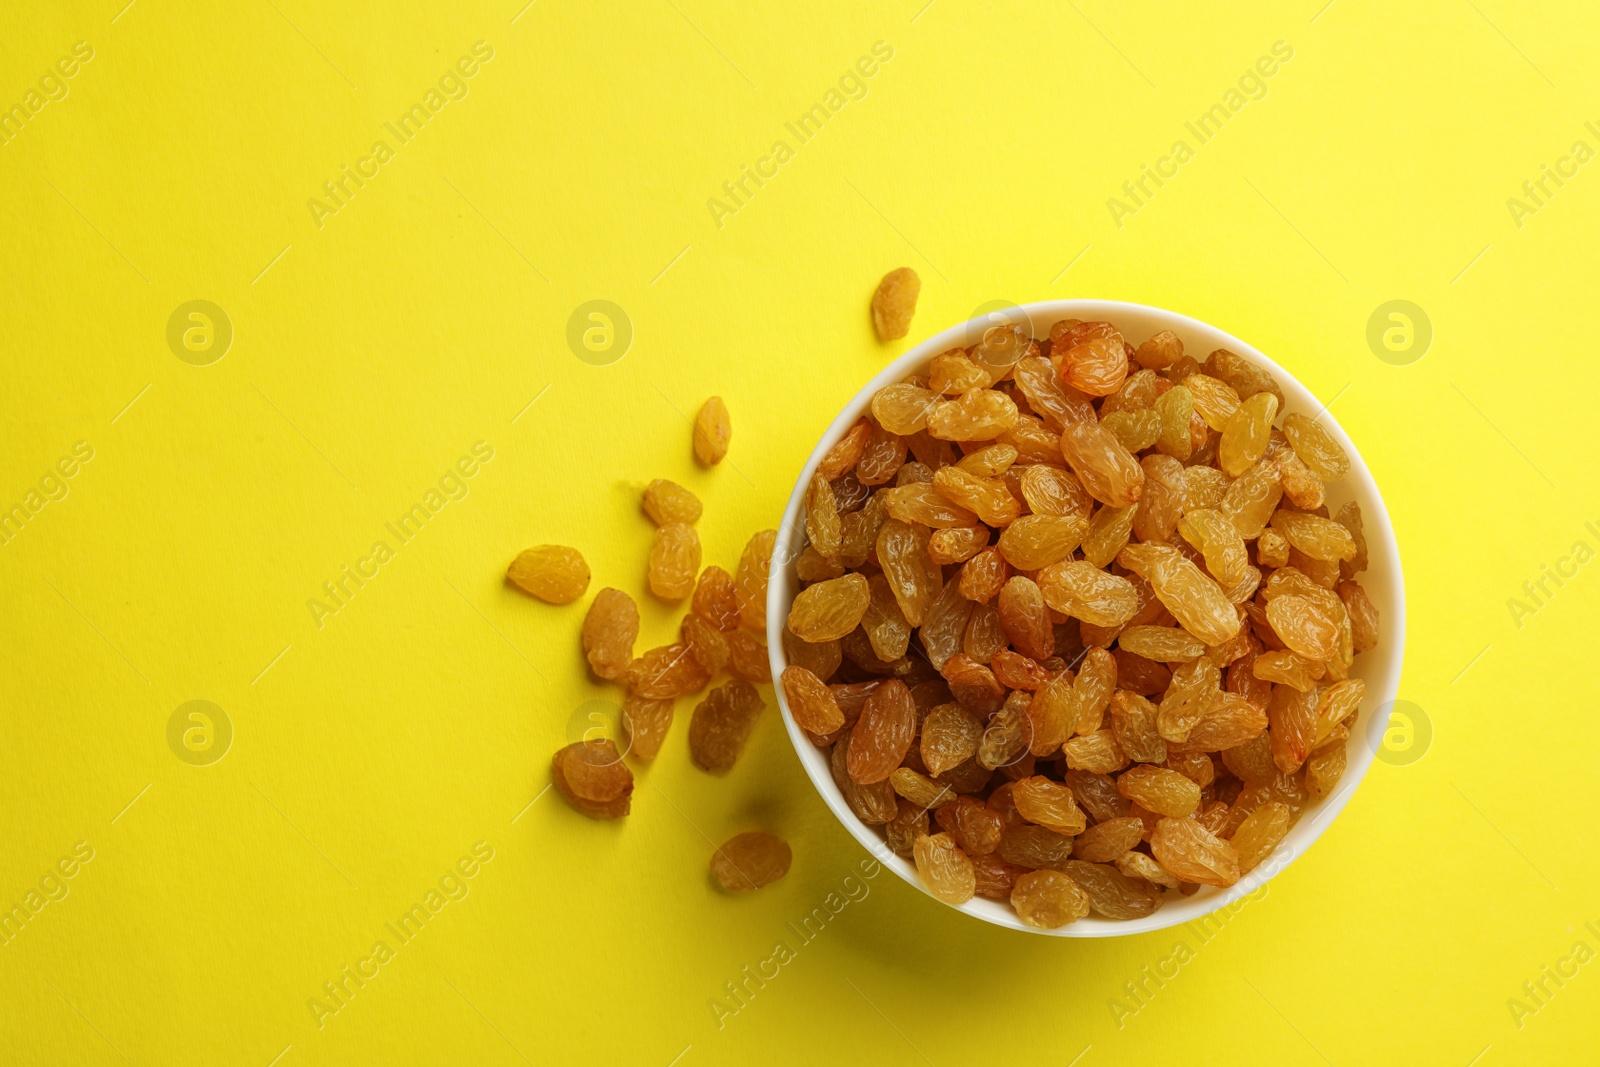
{"points": [[369, 354]]}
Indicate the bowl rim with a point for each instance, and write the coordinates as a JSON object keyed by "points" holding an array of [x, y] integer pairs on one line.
{"points": [[1380, 668]]}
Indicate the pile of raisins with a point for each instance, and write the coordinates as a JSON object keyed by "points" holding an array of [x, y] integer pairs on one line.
{"points": [[724, 630], [1075, 624]]}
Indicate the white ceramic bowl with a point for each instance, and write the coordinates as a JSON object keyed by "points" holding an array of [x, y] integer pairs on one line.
{"points": [[1379, 667]]}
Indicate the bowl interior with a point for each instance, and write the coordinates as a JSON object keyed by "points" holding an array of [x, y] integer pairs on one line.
{"points": [[1379, 667]]}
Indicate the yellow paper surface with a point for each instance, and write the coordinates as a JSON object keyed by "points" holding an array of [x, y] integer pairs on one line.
{"points": [[383, 330]]}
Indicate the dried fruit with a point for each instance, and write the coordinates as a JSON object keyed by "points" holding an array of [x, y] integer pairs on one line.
{"points": [[910, 822], [645, 723], [1244, 377], [1111, 893], [995, 878], [1107, 470], [1109, 530], [1025, 619], [1096, 367], [1289, 668], [674, 561], [1218, 540], [1164, 644], [750, 580], [894, 301], [1107, 841], [1292, 720], [976, 415], [1035, 541], [747, 656], [1214, 401], [1160, 351], [1053, 491], [1260, 833], [593, 778], [1052, 715], [945, 625], [912, 575], [721, 725], [1272, 549], [668, 502], [1133, 724], [666, 672], [1097, 794], [1097, 752], [957, 544], [712, 432], [823, 526], [1317, 537], [1349, 516], [829, 610], [846, 453], [553, 573], [1195, 685], [1134, 430], [716, 600], [1228, 720], [973, 685], [1244, 438], [1047, 595], [950, 736], [1138, 865], [1304, 626], [1316, 447], [1160, 790], [1324, 769], [1092, 689], [609, 631], [1007, 737], [873, 804], [1193, 597], [810, 701], [1048, 900], [1193, 853], [880, 738], [1250, 500], [983, 639], [903, 409], [748, 861], [1336, 703], [821, 659], [945, 869], [705, 642], [1175, 408], [920, 789], [1034, 846], [988, 498], [1363, 616], [1083, 591], [1048, 804], [883, 622]]}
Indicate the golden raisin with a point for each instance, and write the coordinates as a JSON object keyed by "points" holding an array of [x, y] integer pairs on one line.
{"points": [[712, 432], [748, 861], [721, 725], [553, 573], [894, 302], [593, 778], [674, 561], [668, 502], [645, 723], [609, 631]]}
